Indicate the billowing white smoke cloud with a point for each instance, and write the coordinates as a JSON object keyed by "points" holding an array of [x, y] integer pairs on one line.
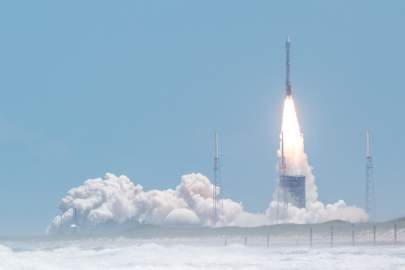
{"points": [[296, 163], [115, 200]]}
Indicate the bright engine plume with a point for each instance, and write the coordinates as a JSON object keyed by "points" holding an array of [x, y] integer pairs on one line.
{"points": [[293, 143]]}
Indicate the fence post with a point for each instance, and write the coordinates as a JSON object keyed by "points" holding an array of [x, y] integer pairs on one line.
{"points": [[374, 234], [395, 233], [226, 242], [245, 240], [268, 240], [331, 236], [353, 236], [310, 236]]}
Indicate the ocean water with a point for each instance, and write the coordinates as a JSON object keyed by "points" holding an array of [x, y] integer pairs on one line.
{"points": [[102, 254]]}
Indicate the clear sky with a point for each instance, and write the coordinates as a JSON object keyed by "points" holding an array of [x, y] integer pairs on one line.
{"points": [[139, 87]]}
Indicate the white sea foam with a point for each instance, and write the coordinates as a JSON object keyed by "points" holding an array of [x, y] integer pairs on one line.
{"points": [[131, 254]]}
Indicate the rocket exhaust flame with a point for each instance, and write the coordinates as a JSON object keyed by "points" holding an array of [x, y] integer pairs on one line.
{"points": [[293, 144], [291, 187]]}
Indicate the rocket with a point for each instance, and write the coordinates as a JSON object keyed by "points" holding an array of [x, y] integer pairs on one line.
{"points": [[287, 80]]}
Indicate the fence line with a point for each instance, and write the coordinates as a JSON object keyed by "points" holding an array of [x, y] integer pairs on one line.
{"points": [[352, 236]]}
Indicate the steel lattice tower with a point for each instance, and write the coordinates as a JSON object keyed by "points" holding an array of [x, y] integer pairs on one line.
{"points": [[217, 203], [370, 202]]}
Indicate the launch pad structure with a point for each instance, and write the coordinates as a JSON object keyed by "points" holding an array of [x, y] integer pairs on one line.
{"points": [[294, 189]]}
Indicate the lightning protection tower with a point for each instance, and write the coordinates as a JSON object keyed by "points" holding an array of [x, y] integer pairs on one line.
{"points": [[217, 203], [370, 203]]}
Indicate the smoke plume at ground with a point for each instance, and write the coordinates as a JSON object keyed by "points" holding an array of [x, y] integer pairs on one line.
{"points": [[115, 200]]}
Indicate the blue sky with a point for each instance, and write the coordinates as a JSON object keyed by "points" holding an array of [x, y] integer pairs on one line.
{"points": [[139, 87]]}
